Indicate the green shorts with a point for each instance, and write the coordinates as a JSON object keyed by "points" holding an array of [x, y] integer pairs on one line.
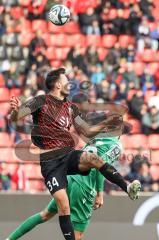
{"points": [[81, 204]]}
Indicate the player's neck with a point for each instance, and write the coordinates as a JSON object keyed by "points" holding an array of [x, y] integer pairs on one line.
{"points": [[57, 95]]}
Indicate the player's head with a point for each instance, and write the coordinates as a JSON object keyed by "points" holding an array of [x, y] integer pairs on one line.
{"points": [[56, 80]]}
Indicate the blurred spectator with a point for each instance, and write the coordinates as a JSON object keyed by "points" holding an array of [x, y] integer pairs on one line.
{"points": [[130, 77], [154, 101], [97, 74], [147, 80], [136, 104], [18, 179], [5, 177], [121, 92], [91, 56], [146, 7], [89, 22], [150, 121], [140, 170], [36, 9]]}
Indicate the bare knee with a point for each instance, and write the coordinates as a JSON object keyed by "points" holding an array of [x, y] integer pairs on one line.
{"points": [[46, 215], [91, 160], [79, 235], [62, 202]]}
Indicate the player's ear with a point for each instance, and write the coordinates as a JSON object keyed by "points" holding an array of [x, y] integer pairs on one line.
{"points": [[58, 84]]}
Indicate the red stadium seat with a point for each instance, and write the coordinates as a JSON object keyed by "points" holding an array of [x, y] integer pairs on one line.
{"points": [[109, 40], [56, 64], [136, 126], [125, 139], [148, 55], [102, 53], [72, 28], [59, 40], [32, 171], [36, 186], [154, 157], [2, 83], [17, 12], [5, 140], [94, 40], [148, 95], [4, 108], [61, 53], [52, 28], [25, 38], [78, 39], [139, 68], [24, 26], [50, 53], [153, 141], [126, 13], [154, 171], [112, 13], [15, 92], [39, 25], [139, 141], [7, 155], [24, 3], [5, 96], [126, 40]]}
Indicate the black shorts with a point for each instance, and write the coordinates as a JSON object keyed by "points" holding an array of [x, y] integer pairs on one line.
{"points": [[56, 167]]}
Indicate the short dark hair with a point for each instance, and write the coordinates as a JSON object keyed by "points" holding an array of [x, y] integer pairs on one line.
{"points": [[52, 77]]}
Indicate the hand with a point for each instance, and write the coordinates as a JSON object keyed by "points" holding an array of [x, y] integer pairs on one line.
{"points": [[15, 103], [98, 201]]}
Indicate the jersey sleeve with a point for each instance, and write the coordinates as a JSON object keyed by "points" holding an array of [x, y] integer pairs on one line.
{"points": [[35, 103]]}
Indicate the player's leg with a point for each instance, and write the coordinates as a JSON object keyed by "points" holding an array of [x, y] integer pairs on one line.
{"points": [[54, 171], [91, 160], [34, 220]]}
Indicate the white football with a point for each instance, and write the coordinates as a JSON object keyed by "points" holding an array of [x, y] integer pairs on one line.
{"points": [[59, 15]]}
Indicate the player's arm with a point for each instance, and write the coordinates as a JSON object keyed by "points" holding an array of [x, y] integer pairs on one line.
{"points": [[92, 130], [19, 110]]}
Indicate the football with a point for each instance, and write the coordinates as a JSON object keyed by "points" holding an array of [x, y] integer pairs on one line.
{"points": [[59, 15]]}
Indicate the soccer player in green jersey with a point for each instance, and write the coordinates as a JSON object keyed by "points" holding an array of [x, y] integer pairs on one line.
{"points": [[85, 192]]}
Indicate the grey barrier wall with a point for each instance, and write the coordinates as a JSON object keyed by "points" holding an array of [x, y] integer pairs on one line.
{"points": [[119, 218]]}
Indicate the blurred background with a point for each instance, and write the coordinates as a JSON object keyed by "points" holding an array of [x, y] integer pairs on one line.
{"points": [[113, 47]]}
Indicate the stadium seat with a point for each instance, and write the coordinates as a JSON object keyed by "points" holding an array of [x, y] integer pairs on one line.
{"points": [[126, 40], [148, 95], [78, 39], [126, 13], [94, 40], [5, 140], [7, 154], [148, 55], [139, 68], [52, 28], [17, 12], [154, 171], [4, 108], [5, 96], [112, 13], [102, 53], [25, 38], [153, 141], [136, 126], [15, 92], [39, 25], [59, 40], [61, 53], [109, 40], [129, 154], [50, 53], [2, 83], [153, 67], [32, 171], [138, 141], [154, 157], [71, 28], [125, 139], [24, 26], [56, 64], [36, 186], [24, 3]]}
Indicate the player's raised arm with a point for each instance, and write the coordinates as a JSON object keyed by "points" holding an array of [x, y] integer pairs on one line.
{"points": [[20, 110]]}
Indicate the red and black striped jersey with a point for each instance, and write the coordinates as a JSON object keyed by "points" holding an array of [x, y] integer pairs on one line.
{"points": [[52, 119]]}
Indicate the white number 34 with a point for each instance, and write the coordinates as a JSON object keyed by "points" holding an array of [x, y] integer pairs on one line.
{"points": [[52, 183]]}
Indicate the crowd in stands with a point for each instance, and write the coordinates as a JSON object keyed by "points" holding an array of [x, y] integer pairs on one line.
{"points": [[110, 46]]}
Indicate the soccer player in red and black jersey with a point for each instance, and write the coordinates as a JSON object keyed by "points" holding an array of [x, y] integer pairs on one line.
{"points": [[53, 116]]}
